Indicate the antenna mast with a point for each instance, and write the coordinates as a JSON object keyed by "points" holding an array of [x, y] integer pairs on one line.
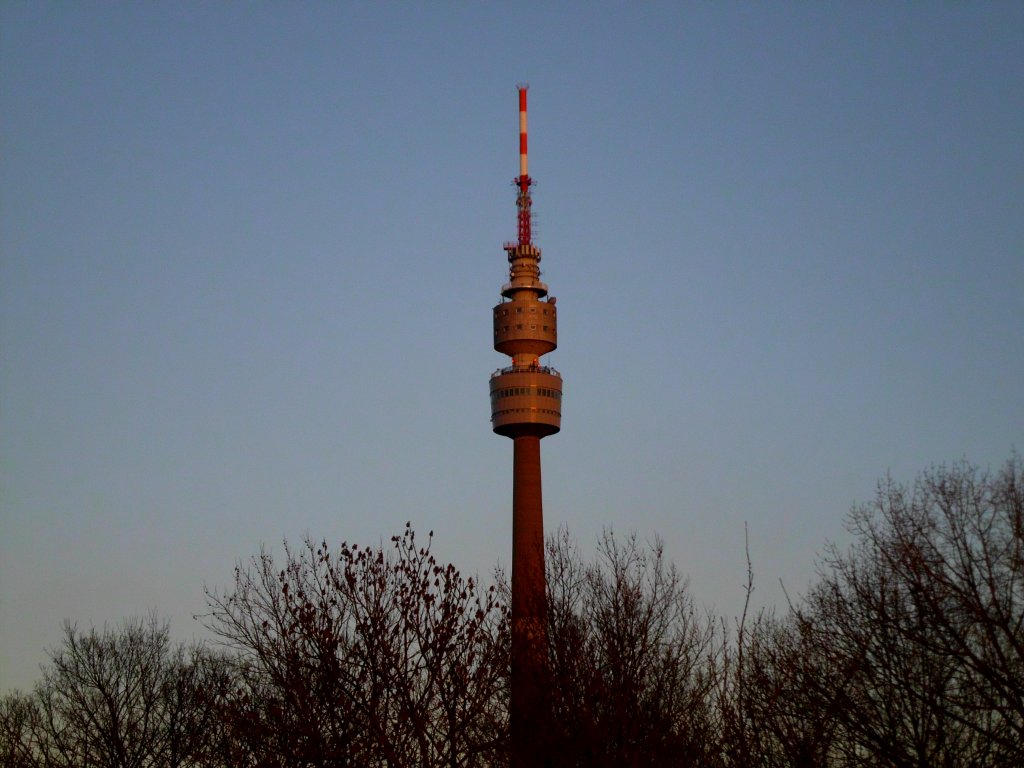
{"points": [[523, 180]]}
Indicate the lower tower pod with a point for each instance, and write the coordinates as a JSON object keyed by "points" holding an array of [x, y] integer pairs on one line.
{"points": [[526, 401]]}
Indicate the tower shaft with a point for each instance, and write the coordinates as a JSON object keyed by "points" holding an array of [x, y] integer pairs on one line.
{"points": [[530, 714]]}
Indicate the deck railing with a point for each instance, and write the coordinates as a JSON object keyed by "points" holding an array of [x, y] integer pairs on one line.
{"points": [[527, 369]]}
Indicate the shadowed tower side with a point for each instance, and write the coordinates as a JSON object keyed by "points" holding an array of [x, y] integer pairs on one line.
{"points": [[526, 404]]}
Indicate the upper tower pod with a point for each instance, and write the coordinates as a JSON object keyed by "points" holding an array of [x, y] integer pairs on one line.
{"points": [[526, 397]]}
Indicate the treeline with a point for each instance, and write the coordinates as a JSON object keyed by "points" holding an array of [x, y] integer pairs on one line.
{"points": [[908, 651]]}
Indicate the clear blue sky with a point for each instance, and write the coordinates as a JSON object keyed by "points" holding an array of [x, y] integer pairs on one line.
{"points": [[249, 253]]}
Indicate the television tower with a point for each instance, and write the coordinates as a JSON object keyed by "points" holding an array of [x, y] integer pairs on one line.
{"points": [[526, 405]]}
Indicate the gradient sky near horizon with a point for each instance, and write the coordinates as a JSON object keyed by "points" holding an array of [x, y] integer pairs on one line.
{"points": [[248, 254]]}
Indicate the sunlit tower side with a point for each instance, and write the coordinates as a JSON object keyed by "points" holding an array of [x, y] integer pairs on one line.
{"points": [[526, 405]]}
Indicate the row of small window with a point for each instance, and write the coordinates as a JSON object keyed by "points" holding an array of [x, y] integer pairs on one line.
{"points": [[519, 311], [501, 414], [520, 391], [519, 327]]}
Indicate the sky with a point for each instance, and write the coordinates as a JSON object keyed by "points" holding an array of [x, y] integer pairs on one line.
{"points": [[248, 255]]}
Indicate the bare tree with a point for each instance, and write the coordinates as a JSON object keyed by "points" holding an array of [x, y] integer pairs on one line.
{"points": [[954, 545], [18, 725], [893, 690], [124, 697], [910, 648], [769, 710], [363, 656], [790, 718], [630, 656]]}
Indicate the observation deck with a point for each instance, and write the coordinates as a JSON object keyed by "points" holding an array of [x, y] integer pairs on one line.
{"points": [[525, 326], [526, 400]]}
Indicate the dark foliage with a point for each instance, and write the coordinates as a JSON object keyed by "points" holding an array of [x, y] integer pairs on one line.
{"points": [[363, 656], [908, 651], [117, 698], [631, 658]]}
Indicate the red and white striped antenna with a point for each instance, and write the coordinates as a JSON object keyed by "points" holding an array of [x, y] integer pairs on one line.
{"points": [[523, 181], [523, 165]]}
